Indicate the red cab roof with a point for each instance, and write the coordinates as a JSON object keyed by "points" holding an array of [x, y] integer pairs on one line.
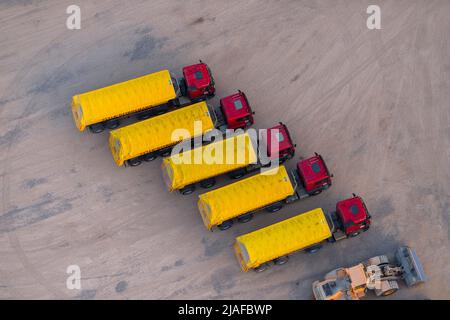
{"points": [[197, 76], [278, 139], [235, 106], [352, 210], [313, 169]]}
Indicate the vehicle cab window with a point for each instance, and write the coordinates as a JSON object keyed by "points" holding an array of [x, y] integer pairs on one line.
{"points": [[238, 104], [198, 75], [316, 168], [280, 137], [354, 209]]}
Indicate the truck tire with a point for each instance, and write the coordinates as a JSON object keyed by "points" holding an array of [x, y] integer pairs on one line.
{"points": [[144, 115], [134, 162], [245, 218], [389, 287], [260, 268], [187, 189], [208, 183], [354, 234], [149, 157], [313, 249], [331, 239], [237, 174], [378, 260], [317, 192], [161, 110], [112, 124], [97, 127], [281, 260], [389, 292], [225, 225], [175, 103], [166, 153], [274, 207]]}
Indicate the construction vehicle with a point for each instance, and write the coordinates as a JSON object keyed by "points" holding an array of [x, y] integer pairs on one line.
{"points": [[143, 97], [150, 138], [377, 274], [184, 175], [304, 232], [268, 190]]}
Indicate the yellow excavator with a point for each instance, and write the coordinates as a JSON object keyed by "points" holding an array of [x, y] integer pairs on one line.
{"points": [[376, 274]]}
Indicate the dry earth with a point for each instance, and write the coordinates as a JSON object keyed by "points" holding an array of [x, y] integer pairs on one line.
{"points": [[375, 103]]}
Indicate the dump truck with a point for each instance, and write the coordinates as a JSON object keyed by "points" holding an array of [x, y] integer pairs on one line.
{"points": [[146, 140], [304, 232], [377, 274], [186, 174], [143, 97], [268, 190]]}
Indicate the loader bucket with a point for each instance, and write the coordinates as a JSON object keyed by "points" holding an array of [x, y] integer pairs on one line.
{"points": [[413, 272]]}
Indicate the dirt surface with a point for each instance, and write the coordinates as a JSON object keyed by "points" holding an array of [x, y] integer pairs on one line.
{"points": [[374, 103]]}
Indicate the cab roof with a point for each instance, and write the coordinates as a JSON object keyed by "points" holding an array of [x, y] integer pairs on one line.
{"points": [[352, 209], [197, 75], [313, 169], [281, 138], [235, 105]]}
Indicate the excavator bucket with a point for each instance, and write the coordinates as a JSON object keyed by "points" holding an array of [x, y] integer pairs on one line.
{"points": [[413, 272]]}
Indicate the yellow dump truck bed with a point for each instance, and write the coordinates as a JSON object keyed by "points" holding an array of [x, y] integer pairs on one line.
{"points": [[122, 98], [282, 238], [156, 133], [208, 161], [249, 194]]}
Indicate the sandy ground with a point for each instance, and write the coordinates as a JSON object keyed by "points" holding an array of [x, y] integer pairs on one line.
{"points": [[374, 103]]}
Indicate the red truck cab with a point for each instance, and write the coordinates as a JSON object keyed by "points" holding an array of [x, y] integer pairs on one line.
{"points": [[237, 111], [314, 174], [279, 143], [353, 215], [197, 82]]}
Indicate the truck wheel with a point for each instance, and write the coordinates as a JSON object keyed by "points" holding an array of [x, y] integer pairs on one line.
{"points": [[161, 110], [143, 116], [389, 292], [166, 153], [97, 127], [274, 207], [187, 190], [134, 162], [281, 260], [208, 183], [313, 249], [315, 193], [175, 103], [112, 124], [354, 234], [225, 225], [331, 239], [149, 157], [245, 218], [237, 174], [260, 268], [378, 261], [388, 288]]}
